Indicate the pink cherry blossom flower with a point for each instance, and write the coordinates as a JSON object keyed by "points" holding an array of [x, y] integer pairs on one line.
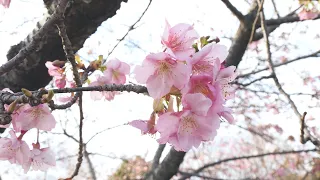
{"points": [[60, 81], [54, 71], [14, 149], [5, 3], [97, 95], [145, 126], [204, 60], [226, 114], [161, 72], [35, 117], [308, 14], [167, 126], [116, 71], [59, 78], [63, 98], [40, 159], [179, 39], [222, 77], [15, 114], [191, 126], [200, 84]]}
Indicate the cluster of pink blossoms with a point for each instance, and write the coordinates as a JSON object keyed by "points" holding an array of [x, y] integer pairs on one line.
{"points": [[196, 79], [115, 73], [16, 150]]}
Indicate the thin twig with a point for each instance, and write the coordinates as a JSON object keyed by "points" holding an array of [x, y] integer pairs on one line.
{"points": [[314, 54], [255, 23], [256, 80], [67, 46], [90, 165], [271, 65], [104, 131], [247, 157], [275, 8], [132, 27], [302, 128], [315, 141]]}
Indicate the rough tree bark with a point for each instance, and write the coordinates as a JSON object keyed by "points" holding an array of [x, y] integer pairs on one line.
{"points": [[82, 20]]}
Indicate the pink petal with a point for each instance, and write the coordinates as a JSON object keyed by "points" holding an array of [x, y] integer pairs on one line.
{"points": [[124, 68], [186, 141], [181, 75], [47, 123], [218, 51], [227, 73], [113, 64], [167, 125], [96, 95], [198, 103], [159, 86], [142, 73], [140, 124], [5, 3]]}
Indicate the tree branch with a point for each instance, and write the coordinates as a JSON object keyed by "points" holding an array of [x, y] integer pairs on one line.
{"points": [[234, 10], [242, 37], [246, 157], [314, 54], [316, 142], [286, 19], [156, 160], [169, 166], [132, 27], [67, 47], [18, 59]]}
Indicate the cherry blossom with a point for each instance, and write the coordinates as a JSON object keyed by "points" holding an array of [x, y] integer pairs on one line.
{"points": [[14, 149], [204, 60], [40, 159], [190, 126], [161, 72], [308, 14], [145, 126], [59, 78], [200, 84], [5, 3], [15, 114], [116, 71], [97, 95], [34, 117], [60, 81], [179, 39], [54, 70], [222, 77]]}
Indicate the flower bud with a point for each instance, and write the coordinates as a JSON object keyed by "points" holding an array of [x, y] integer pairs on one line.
{"points": [[26, 92], [12, 106], [58, 63], [50, 95], [158, 105]]}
